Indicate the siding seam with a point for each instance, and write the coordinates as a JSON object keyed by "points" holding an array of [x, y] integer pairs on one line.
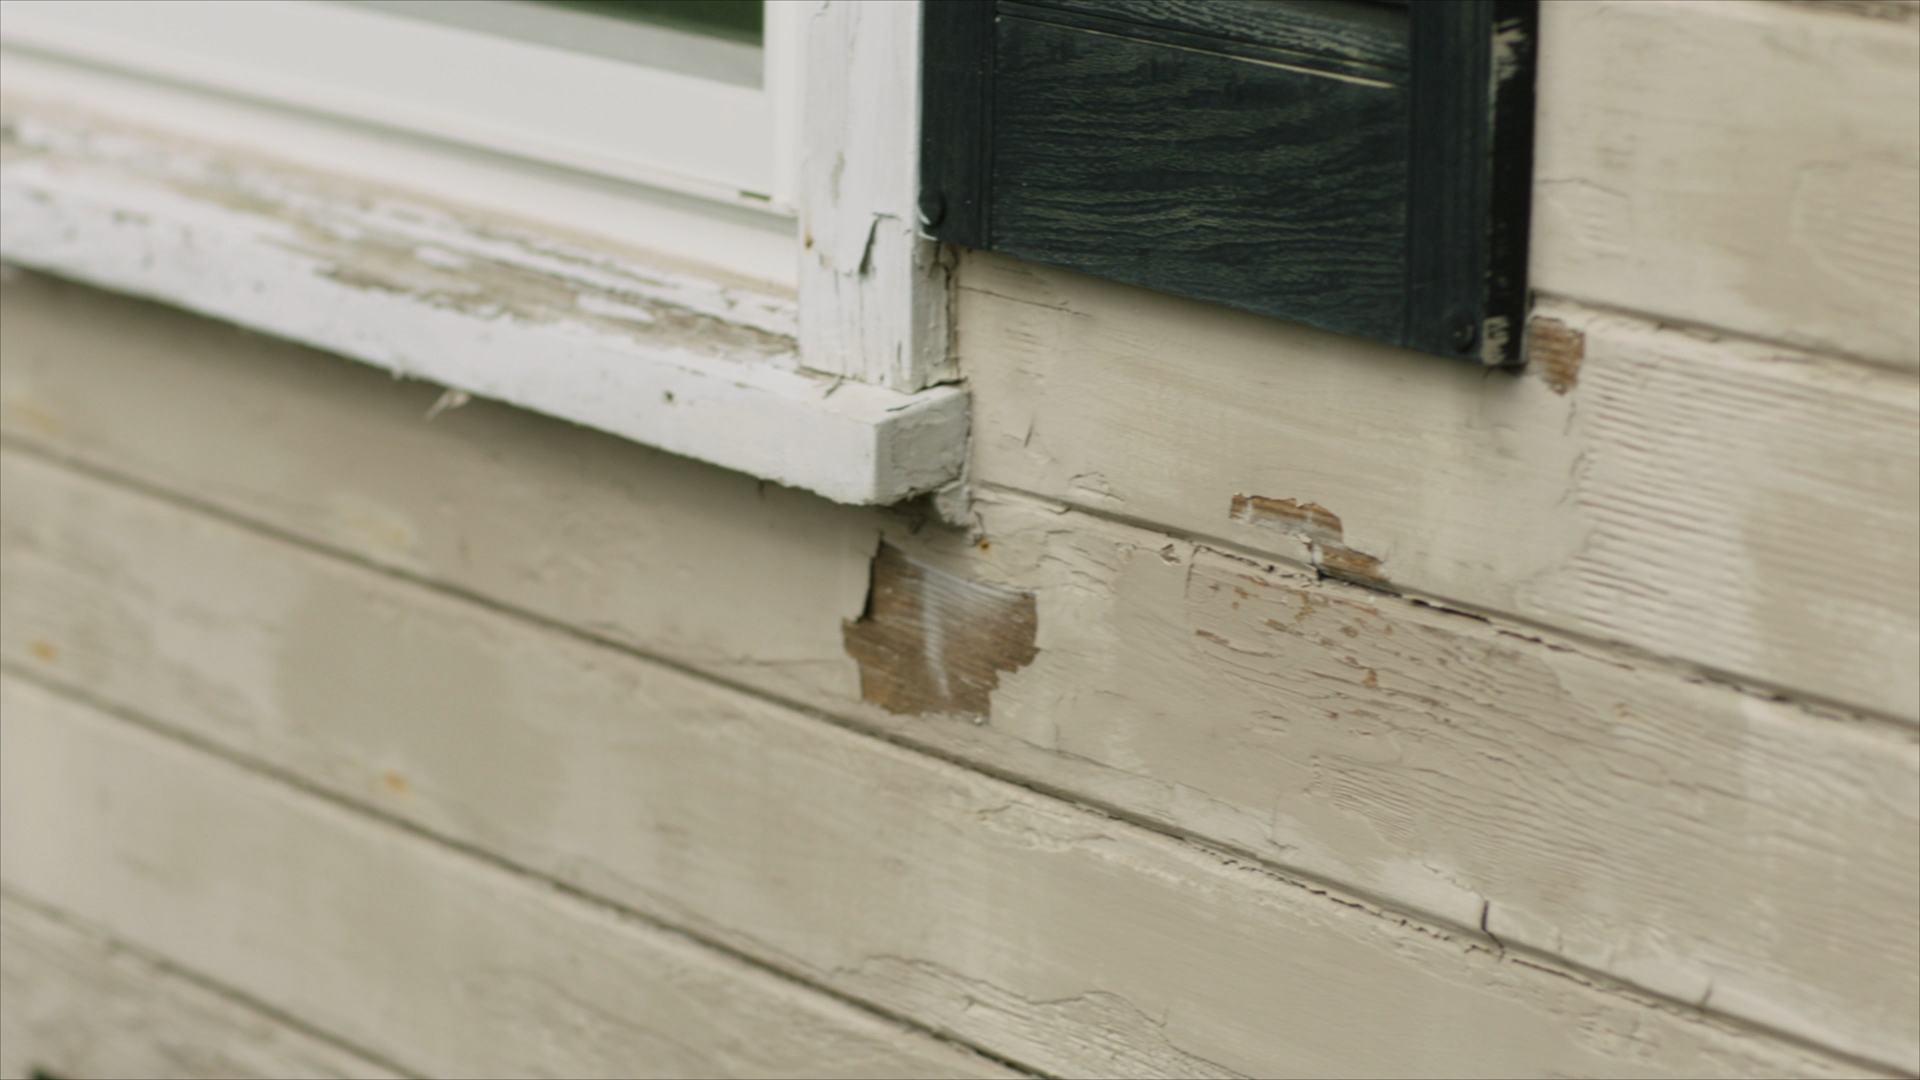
{"points": [[285, 1019], [1331, 890], [1513, 625], [1839, 357]]}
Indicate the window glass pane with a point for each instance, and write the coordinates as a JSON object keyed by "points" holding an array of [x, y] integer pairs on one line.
{"points": [[712, 39], [735, 20]]}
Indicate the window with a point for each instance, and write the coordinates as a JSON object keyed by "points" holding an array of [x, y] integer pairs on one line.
{"points": [[704, 227], [691, 225], [571, 84], [1364, 167]]}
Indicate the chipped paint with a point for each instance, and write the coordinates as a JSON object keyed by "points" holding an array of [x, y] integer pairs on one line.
{"points": [[697, 367], [1319, 527], [1493, 341], [933, 642], [1554, 351]]}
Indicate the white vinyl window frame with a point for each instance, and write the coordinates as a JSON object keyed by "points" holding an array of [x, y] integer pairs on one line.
{"points": [[731, 272]]}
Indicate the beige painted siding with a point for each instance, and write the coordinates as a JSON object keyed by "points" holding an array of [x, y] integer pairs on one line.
{"points": [[1294, 706]]}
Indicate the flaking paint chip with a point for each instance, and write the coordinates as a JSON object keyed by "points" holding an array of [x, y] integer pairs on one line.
{"points": [[931, 642], [1555, 350]]}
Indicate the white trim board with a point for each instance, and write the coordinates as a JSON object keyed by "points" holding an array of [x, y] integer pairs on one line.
{"points": [[722, 241], [691, 366], [626, 120], [874, 295]]}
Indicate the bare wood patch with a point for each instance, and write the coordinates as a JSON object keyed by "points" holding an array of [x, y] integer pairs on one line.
{"points": [[434, 292], [1649, 515], [1319, 527], [1613, 807], [1555, 350], [934, 642]]}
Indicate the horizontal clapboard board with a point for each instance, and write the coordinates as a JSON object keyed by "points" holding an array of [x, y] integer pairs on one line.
{"points": [[1363, 167]]}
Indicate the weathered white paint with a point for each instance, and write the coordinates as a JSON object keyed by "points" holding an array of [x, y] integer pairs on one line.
{"points": [[704, 137], [428, 957], [784, 28], [873, 294], [74, 1004], [721, 241], [1746, 507], [1735, 163], [1101, 948], [662, 357], [1585, 803]]}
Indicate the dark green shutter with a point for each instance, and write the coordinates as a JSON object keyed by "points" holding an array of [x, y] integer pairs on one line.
{"points": [[1363, 167]]}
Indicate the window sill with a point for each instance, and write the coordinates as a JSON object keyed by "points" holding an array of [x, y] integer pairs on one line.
{"points": [[692, 364]]}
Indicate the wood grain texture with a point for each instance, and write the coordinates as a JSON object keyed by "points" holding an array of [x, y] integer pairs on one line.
{"points": [[1061, 939], [1363, 34], [1470, 166], [934, 642], [74, 1004], [1125, 707], [448, 964], [596, 336], [956, 121], [873, 294], [1661, 503], [1745, 165], [1269, 189]]}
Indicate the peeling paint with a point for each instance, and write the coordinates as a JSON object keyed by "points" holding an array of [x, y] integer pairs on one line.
{"points": [[934, 642], [1555, 350], [1319, 527], [594, 335]]}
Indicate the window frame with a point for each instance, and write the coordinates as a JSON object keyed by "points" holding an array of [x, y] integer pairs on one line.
{"points": [[844, 389], [440, 81]]}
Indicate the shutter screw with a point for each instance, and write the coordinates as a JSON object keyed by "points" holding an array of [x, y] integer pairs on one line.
{"points": [[1460, 331], [933, 208]]}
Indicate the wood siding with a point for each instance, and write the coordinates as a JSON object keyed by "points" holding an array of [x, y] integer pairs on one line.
{"points": [[1293, 706]]}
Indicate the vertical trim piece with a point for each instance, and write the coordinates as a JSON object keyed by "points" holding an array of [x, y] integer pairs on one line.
{"points": [[1516, 46], [873, 293], [1471, 162], [956, 126], [1448, 164]]}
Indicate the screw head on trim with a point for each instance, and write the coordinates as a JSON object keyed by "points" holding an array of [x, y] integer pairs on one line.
{"points": [[1460, 331], [933, 208]]}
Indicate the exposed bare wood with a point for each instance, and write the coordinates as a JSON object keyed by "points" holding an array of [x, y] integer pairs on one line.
{"points": [[934, 642], [1555, 351], [1565, 722], [1662, 502], [813, 848], [1314, 524], [1124, 706]]}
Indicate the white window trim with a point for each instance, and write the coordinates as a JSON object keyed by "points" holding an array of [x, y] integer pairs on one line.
{"points": [[698, 136], [531, 281]]}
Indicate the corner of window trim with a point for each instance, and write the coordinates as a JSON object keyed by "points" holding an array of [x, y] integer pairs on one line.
{"points": [[846, 393]]}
